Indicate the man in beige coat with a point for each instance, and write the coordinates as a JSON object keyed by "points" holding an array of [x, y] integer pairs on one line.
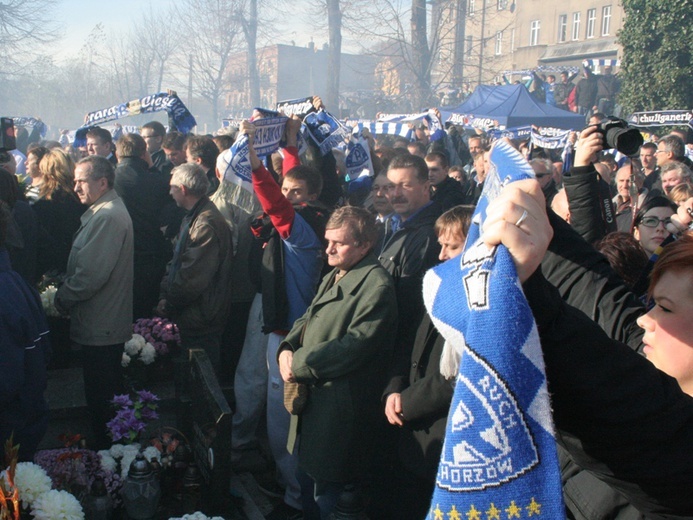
{"points": [[97, 291]]}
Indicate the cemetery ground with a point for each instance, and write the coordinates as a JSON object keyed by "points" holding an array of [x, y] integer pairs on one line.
{"points": [[225, 493]]}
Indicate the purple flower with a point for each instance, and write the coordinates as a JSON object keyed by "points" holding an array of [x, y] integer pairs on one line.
{"points": [[145, 396], [121, 401], [149, 414]]}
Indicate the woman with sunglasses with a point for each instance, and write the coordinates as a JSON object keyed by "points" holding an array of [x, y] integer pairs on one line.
{"points": [[650, 224]]}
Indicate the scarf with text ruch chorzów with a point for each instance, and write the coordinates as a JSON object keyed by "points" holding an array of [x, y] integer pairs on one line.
{"points": [[499, 456]]}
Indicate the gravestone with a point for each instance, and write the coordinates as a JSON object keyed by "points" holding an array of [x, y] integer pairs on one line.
{"points": [[210, 425]]}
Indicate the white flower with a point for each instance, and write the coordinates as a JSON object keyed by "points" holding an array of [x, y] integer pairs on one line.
{"points": [[107, 462], [135, 345], [148, 354], [57, 505], [133, 449], [128, 457], [151, 453], [125, 360], [116, 451], [31, 481], [48, 301]]}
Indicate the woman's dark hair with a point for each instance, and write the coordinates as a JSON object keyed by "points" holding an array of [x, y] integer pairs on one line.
{"points": [[625, 255]]}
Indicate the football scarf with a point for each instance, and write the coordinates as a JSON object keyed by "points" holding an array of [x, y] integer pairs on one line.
{"points": [[499, 456]]}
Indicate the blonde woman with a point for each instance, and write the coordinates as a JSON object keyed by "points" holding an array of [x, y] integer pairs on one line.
{"points": [[58, 210]]}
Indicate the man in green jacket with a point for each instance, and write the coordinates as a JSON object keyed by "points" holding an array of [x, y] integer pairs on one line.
{"points": [[339, 348]]}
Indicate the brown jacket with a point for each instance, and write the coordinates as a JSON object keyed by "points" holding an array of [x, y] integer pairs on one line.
{"points": [[196, 286]]}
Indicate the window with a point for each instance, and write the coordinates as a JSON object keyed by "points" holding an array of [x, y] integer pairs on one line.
{"points": [[502, 4], [534, 33], [576, 26], [470, 7], [591, 21], [606, 20], [512, 40], [562, 28], [469, 45], [499, 43]]}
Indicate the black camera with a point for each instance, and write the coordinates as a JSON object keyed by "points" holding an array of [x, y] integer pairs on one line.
{"points": [[616, 134]]}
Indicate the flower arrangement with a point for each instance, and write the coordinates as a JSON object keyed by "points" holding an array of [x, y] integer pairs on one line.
{"points": [[138, 346], [132, 415], [118, 458], [32, 481], [74, 470], [159, 332], [172, 447], [57, 505], [48, 300]]}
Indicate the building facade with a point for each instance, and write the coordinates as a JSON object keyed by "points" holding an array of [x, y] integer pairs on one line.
{"points": [[291, 72], [513, 35]]}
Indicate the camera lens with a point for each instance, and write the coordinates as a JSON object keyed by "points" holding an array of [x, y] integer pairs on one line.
{"points": [[626, 140]]}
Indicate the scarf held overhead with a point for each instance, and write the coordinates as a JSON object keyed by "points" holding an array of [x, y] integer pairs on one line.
{"points": [[499, 456], [168, 101]]}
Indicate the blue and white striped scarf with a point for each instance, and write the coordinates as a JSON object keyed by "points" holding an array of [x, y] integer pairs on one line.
{"points": [[499, 456]]}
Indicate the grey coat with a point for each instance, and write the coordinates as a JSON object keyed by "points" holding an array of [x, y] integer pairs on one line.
{"points": [[97, 291]]}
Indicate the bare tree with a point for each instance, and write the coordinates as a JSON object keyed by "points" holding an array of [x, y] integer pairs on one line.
{"points": [[247, 17], [155, 37], [211, 26], [25, 26], [334, 52]]}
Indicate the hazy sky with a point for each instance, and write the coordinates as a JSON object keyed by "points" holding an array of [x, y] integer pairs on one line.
{"points": [[79, 17]]}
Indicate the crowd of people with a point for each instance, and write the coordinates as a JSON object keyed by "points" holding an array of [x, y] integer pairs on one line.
{"points": [[307, 294]]}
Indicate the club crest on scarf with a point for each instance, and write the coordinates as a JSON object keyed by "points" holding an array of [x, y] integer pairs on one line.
{"points": [[499, 456]]}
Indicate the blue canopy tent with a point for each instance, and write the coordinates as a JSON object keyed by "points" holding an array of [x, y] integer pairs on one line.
{"points": [[513, 106]]}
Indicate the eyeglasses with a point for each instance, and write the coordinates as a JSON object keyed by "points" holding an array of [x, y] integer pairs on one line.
{"points": [[653, 222], [660, 151]]}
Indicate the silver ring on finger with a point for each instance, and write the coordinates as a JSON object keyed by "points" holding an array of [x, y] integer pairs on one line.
{"points": [[522, 218]]}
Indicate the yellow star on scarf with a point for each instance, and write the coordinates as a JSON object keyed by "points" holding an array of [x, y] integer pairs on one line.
{"points": [[534, 508], [437, 513], [454, 514], [513, 511], [493, 513], [473, 514]]}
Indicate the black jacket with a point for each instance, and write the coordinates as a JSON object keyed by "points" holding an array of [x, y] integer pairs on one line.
{"points": [[145, 194], [615, 413], [592, 213], [407, 254], [448, 194], [425, 397]]}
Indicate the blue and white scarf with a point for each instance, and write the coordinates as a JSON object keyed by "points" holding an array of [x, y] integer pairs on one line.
{"points": [[299, 107], [168, 101], [499, 456], [520, 132], [326, 131], [380, 127], [31, 122], [435, 125], [550, 138], [358, 157]]}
